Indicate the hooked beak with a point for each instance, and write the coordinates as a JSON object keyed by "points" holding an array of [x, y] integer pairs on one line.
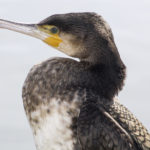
{"points": [[33, 30]]}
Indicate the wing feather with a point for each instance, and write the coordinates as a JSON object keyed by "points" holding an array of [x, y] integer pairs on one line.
{"points": [[97, 130], [131, 124]]}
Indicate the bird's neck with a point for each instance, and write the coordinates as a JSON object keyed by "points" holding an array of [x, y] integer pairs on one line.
{"points": [[107, 73]]}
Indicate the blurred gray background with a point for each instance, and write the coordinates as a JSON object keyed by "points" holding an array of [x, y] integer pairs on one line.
{"points": [[130, 22]]}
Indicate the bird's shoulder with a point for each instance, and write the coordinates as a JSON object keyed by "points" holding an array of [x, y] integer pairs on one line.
{"points": [[48, 71], [51, 66], [48, 81]]}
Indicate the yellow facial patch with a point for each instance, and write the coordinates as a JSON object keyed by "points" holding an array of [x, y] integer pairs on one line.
{"points": [[53, 41], [53, 32]]}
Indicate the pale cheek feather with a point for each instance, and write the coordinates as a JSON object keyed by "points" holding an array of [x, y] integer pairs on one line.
{"points": [[68, 47]]}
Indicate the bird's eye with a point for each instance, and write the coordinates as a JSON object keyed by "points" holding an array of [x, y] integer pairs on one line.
{"points": [[54, 30]]}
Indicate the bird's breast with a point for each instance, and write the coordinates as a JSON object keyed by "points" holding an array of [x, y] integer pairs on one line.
{"points": [[52, 125], [52, 108]]}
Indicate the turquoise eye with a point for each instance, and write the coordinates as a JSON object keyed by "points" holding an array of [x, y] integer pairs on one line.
{"points": [[54, 30]]}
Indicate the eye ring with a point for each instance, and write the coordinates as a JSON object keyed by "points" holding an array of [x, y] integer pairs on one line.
{"points": [[54, 30]]}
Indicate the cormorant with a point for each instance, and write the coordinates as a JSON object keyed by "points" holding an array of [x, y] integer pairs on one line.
{"points": [[70, 104]]}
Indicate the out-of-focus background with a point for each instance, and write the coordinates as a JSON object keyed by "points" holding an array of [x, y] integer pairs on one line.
{"points": [[130, 22]]}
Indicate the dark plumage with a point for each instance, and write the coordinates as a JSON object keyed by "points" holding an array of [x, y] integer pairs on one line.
{"points": [[70, 104]]}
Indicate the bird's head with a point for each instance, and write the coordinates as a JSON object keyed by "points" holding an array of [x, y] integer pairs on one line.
{"points": [[81, 35]]}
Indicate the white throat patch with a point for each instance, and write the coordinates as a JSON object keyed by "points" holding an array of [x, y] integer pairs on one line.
{"points": [[69, 45]]}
